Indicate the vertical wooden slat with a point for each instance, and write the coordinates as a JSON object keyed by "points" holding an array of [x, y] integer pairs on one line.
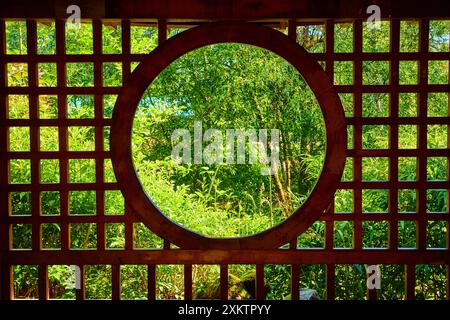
{"points": [[126, 49], [5, 268], [260, 287], [162, 30], [357, 131], [224, 282], [410, 282], [393, 136], [115, 285], [151, 282], [34, 130], [422, 135], [62, 133], [43, 282], [330, 282], [98, 114], [295, 282], [188, 282], [292, 30]]}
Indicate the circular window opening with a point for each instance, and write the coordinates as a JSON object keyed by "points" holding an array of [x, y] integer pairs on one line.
{"points": [[228, 140]]}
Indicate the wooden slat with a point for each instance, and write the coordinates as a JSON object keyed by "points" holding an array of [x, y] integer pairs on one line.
{"points": [[410, 281], [224, 281], [260, 285], [43, 282], [188, 282], [295, 282], [115, 281], [223, 9], [151, 282]]}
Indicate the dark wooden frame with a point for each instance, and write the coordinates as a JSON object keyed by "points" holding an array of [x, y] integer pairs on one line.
{"points": [[291, 13]]}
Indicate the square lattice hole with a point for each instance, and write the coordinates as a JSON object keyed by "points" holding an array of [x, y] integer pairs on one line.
{"points": [[375, 137], [375, 200], [375, 104], [114, 202], [376, 36], [407, 136], [80, 106], [21, 236], [48, 106], [82, 170], [81, 138], [375, 72], [438, 71], [111, 39], [16, 37], [437, 136], [79, 38], [108, 105], [25, 282], [343, 37], [343, 72], [437, 168], [438, 104], [20, 203], [112, 74], [47, 75], [82, 202], [375, 169], [46, 38], [407, 231], [143, 238], [407, 200], [74, 69], [19, 139], [49, 171], [431, 282], [343, 234], [83, 236], [375, 234], [343, 201], [50, 236], [409, 36], [17, 74], [437, 234], [98, 276], [407, 169], [143, 39], [50, 203], [313, 237], [19, 171], [48, 138], [133, 282], [18, 106], [408, 72], [115, 235], [437, 200], [407, 104]]}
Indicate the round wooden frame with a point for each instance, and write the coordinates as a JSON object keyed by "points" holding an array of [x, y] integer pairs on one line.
{"points": [[157, 61]]}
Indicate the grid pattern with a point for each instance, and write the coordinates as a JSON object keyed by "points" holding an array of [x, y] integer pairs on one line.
{"points": [[63, 153]]}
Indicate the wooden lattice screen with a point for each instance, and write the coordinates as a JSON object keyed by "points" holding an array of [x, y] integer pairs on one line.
{"points": [[30, 159]]}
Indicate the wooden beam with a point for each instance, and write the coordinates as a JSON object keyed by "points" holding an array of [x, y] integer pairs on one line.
{"points": [[224, 9]]}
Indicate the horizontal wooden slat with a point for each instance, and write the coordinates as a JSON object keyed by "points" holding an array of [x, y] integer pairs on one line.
{"points": [[224, 9], [313, 256]]}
